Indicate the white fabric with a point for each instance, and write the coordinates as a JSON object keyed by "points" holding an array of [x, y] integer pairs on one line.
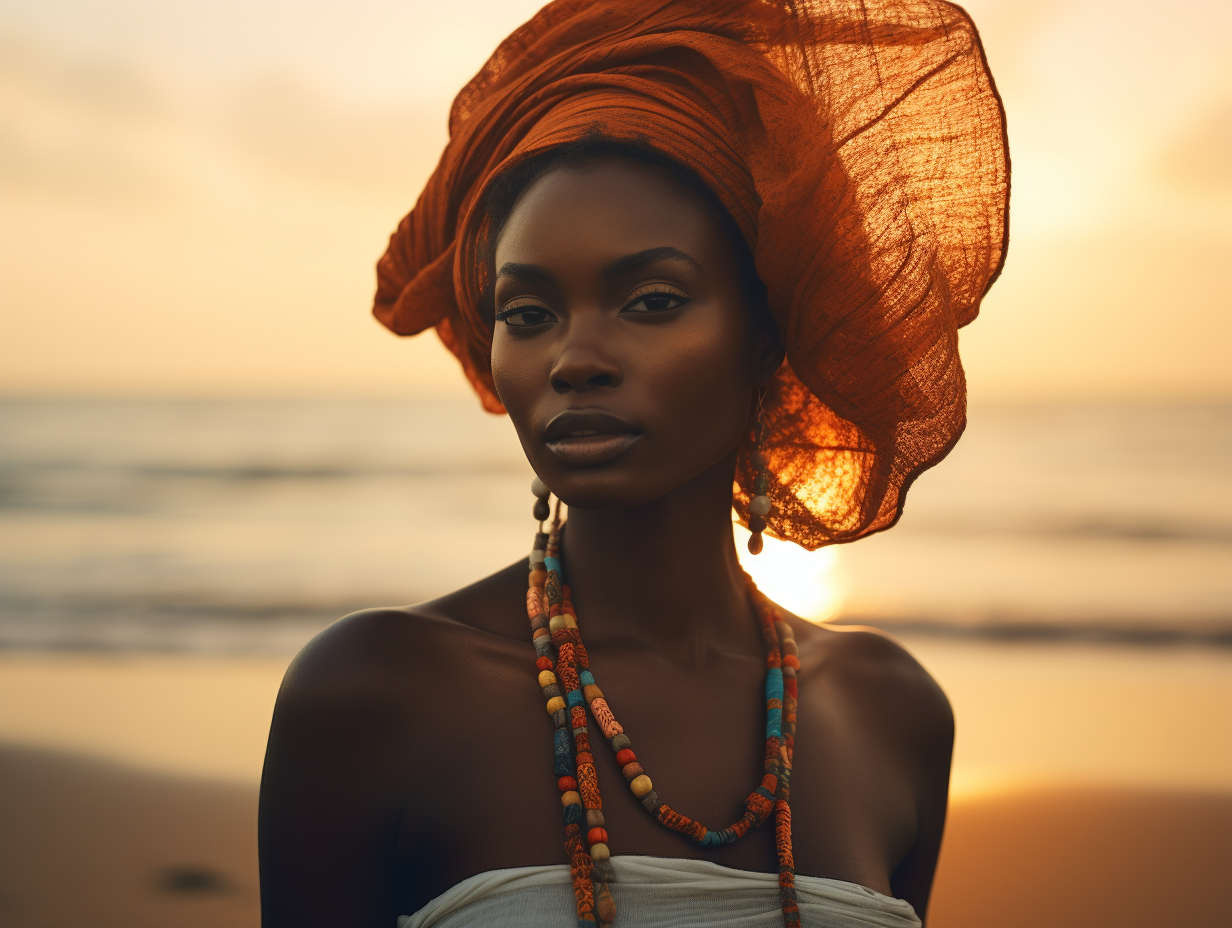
{"points": [[657, 892]]}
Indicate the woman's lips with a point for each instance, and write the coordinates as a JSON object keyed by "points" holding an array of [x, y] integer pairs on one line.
{"points": [[588, 436], [598, 448]]}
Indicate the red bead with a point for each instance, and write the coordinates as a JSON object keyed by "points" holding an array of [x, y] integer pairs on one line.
{"points": [[596, 836], [544, 663], [625, 757], [566, 784]]}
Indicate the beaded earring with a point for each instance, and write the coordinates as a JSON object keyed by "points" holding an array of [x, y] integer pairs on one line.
{"points": [[759, 505]]}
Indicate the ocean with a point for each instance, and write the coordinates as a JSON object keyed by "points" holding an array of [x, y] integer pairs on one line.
{"points": [[246, 526]]}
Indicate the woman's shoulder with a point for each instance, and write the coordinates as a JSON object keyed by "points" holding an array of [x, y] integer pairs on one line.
{"points": [[407, 648], [872, 674]]}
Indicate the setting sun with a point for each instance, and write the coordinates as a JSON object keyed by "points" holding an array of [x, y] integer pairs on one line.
{"points": [[800, 581]]}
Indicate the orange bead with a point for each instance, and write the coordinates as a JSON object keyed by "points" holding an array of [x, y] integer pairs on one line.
{"points": [[566, 783], [544, 663], [605, 907], [623, 758], [790, 660], [538, 577], [596, 836]]}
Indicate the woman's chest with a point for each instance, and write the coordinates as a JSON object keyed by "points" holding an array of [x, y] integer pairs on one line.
{"points": [[484, 792]]}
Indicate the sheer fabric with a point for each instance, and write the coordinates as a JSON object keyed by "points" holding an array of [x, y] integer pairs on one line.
{"points": [[860, 147]]}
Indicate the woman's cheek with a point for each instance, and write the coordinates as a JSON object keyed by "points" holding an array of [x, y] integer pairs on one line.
{"points": [[512, 373]]}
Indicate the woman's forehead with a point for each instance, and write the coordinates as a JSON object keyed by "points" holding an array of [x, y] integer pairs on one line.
{"points": [[609, 205]]}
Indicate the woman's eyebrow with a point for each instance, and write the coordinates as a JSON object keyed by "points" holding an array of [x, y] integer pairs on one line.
{"points": [[531, 273], [641, 259]]}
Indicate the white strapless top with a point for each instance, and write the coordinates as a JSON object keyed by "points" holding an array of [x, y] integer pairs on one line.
{"points": [[659, 892]]}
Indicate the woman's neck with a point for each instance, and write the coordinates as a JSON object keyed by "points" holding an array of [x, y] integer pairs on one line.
{"points": [[664, 575]]}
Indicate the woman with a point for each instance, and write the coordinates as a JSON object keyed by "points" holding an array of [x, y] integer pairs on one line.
{"points": [[686, 246]]}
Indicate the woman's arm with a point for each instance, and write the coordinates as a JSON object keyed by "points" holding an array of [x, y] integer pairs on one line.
{"points": [[931, 746], [333, 789]]}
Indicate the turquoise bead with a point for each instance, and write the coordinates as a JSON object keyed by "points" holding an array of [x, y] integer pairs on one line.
{"points": [[774, 683], [774, 723]]}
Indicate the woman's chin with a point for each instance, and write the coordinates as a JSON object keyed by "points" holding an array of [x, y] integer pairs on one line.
{"points": [[604, 487]]}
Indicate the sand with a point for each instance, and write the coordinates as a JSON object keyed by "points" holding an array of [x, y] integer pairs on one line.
{"points": [[87, 842], [1093, 788], [82, 841]]}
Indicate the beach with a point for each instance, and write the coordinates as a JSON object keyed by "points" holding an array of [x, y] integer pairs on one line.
{"points": [[1080, 797], [163, 560]]}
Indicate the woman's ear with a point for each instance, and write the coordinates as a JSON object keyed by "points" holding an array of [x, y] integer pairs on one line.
{"points": [[768, 348]]}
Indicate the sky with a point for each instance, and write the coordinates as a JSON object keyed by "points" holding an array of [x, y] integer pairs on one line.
{"points": [[193, 196]]}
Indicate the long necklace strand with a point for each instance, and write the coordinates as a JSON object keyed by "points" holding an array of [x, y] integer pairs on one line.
{"points": [[569, 687]]}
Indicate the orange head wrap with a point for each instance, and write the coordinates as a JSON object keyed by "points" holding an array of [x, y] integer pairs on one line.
{"points": [[859, 145]]}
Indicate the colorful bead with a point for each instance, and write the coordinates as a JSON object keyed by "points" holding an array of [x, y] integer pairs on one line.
{"points": [[625, 757], [555, 704], [565, 784], [596, 836], [631, 772], [544, 663], [594, 819], [641, 785], [600, 851], [605, 906]]}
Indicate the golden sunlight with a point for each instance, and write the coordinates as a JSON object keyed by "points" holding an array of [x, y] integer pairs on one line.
{"points": [[800, 581]]}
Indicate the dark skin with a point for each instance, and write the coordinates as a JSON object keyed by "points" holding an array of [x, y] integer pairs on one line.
{"points": [[410, 748]]}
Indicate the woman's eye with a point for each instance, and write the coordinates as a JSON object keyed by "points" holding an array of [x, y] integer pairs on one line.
{"points": [[655, 301], [524, 316]]}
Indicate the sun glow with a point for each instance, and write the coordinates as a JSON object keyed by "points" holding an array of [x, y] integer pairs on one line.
{"points": [[800, 581]]}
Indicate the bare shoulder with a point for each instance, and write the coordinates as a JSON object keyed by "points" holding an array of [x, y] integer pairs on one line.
{"points": [[874, 675], [368, 655]]}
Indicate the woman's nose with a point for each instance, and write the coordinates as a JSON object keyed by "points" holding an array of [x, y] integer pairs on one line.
{"points": [[583, 365]]}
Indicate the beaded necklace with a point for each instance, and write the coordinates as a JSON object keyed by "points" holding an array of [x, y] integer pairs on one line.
{"points": [[569, 687]]}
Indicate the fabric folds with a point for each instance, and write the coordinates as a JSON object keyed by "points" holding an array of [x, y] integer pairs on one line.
{"points": [[859, 146], [659, 892]]}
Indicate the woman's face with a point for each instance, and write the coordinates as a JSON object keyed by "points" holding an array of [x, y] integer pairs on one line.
{"points": [[623, 348]]}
